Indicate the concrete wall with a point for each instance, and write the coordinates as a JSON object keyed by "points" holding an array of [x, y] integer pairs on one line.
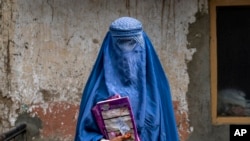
{"points": [[48, 47], [198, 95]]}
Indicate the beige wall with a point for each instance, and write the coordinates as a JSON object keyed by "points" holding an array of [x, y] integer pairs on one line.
{"points": [[48, 48]]}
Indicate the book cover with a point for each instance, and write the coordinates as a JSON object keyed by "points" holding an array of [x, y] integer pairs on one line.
{"points": [[114, 117]]}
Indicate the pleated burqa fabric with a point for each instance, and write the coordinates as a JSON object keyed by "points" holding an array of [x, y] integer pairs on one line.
{"points": [[128, 65]]}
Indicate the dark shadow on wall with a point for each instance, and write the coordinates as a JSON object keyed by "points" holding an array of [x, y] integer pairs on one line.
{"points": [[34, 125], [198, 95]]}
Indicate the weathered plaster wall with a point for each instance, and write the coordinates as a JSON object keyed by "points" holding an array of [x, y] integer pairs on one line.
{"points": [[198, 95], [48, 48]]}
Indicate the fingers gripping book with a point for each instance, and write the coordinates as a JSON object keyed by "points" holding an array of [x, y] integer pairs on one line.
{"points": [[114, 117]]}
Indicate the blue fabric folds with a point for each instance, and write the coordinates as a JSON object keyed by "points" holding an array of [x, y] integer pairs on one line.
{"points": [[129, 66]]}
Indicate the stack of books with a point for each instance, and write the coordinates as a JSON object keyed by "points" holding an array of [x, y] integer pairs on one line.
{"points": [[114, 117]]}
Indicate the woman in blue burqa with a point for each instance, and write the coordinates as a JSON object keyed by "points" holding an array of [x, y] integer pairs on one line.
{"points": [[128, 65]]}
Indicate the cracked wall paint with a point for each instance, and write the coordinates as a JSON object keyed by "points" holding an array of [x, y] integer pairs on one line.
{"points": [[52, 46]]}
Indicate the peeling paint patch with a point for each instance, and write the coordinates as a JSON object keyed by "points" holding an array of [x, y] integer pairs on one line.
{"points": [[182, 122], [58, 120]]}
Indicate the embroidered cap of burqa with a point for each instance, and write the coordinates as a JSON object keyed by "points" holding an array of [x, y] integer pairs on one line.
{"points": [[127, 64]]}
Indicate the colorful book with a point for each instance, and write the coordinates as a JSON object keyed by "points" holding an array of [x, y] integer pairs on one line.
{"points": [[114, 117]]}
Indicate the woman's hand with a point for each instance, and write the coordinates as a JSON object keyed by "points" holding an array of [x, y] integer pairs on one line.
{"points": [[119, 138], [122, 138]]}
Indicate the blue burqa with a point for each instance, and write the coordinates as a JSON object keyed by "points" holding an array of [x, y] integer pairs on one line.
{"points": [[127, 64]]}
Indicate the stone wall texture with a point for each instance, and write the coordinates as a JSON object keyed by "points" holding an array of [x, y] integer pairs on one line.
{"points": [[48, 48]]}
